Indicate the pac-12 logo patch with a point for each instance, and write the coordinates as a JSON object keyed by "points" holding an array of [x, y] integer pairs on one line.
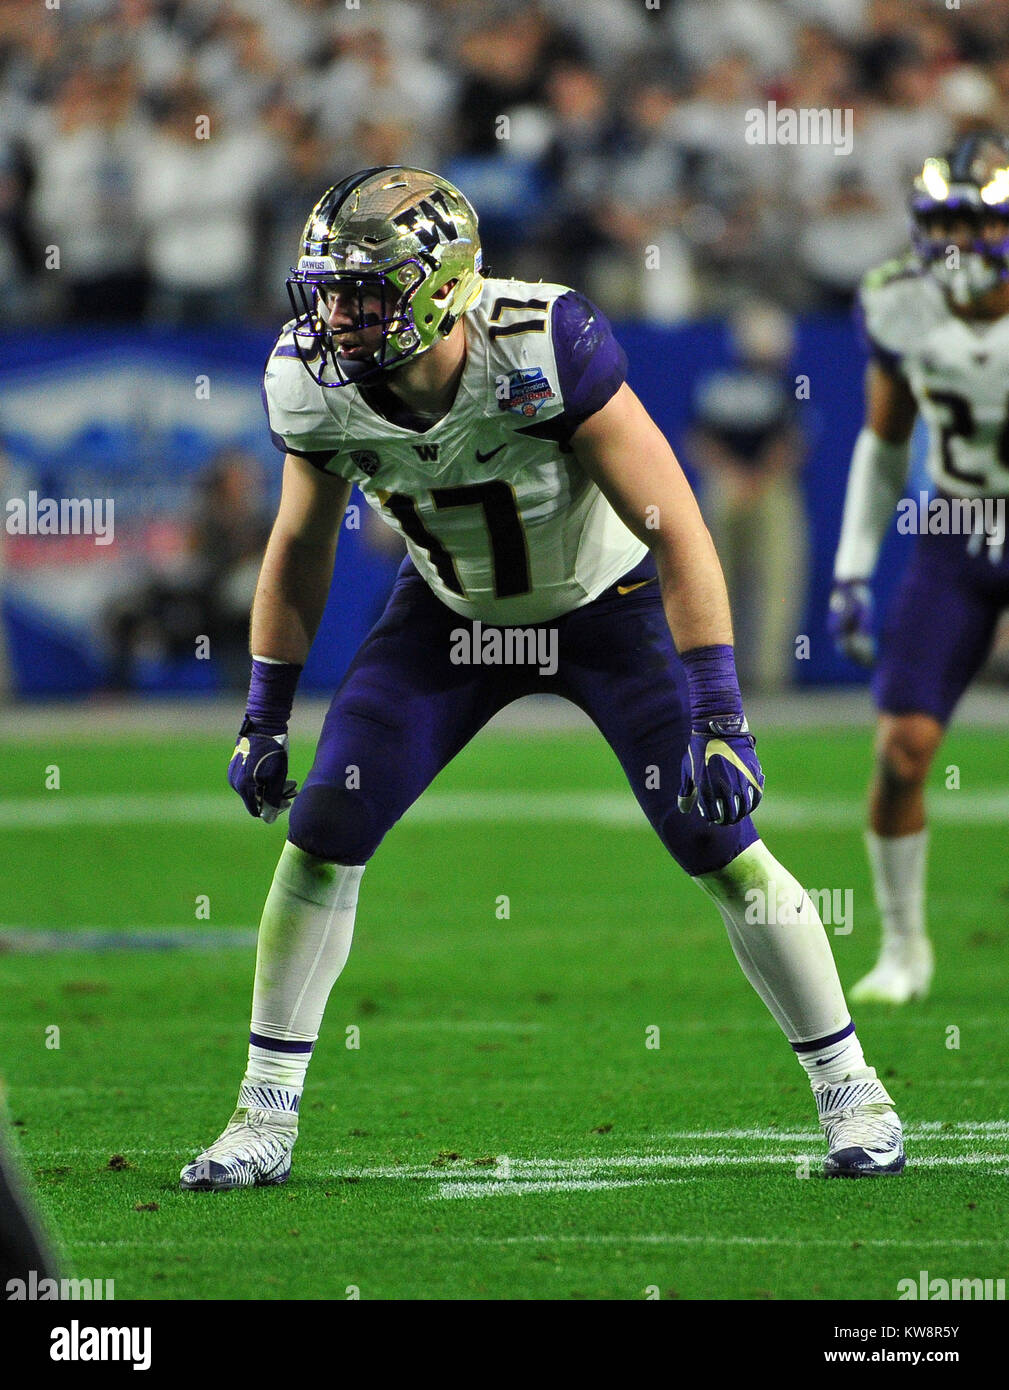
{"points": [[367, 460], [527, 389]]}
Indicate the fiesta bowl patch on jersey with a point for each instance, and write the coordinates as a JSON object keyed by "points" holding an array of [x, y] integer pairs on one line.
{"points": [[527, 389]]}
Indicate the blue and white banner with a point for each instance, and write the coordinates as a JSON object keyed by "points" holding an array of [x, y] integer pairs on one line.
{"points": [[107, 438]]}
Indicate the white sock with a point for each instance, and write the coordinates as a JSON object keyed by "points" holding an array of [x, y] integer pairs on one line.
{"points": [[898, 880], [304, 941], [786, 957], [834, 1060]]}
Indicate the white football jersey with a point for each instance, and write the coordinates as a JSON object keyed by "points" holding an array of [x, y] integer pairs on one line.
{"points": [[496, 512], [957, 370]]}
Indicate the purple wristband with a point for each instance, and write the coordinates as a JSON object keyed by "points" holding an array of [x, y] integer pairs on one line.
{"points": [[271, 694], [714, 687]]}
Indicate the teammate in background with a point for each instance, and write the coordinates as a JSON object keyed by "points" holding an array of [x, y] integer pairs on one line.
{"points": [[938, 326], [489, 422]]}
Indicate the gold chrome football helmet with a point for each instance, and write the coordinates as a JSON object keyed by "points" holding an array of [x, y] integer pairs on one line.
{"points": [[404, 236]]}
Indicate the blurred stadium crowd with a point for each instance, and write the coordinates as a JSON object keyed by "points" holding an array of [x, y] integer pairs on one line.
{"points": [[624, 131], [158, 159]]}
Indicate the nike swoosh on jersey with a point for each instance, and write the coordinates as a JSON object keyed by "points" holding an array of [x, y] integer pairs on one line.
{"points": [[482, 458], [629, 588]]}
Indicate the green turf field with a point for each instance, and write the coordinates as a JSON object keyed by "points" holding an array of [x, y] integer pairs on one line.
{"points": [[502, 1131]]}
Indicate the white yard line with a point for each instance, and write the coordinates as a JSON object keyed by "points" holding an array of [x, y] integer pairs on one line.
{"points": [[461, 1180], [34, 941], [460, 1025], [165, 718], [493, 1186], [560, 1169], [927, 1131], [958, 1083], [675, 1238], [614, 809], [524, 1189], [937, 1132], [444, 1239]]}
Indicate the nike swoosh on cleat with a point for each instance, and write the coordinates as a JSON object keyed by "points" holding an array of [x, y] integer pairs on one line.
{"points": [[482, 458], [629, 588]]}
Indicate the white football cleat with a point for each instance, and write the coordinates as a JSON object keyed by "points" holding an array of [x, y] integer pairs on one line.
{"points": [[254, 1151], [903, 972], [863, 1130]]}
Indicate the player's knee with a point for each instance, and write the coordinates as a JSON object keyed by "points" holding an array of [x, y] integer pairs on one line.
{"points": [[904, 752], [335, 824], [700, 848]]}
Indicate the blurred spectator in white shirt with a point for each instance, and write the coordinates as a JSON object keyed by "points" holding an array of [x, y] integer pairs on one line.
{"points": [[86, 156], [373, 79], [196, 197]]}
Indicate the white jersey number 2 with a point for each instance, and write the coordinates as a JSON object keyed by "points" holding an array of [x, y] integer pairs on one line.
{"points": [[960, 424]]}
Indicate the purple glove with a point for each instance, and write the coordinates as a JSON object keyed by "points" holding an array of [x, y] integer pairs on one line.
{"points": [[258, 772], [258, 767], [849, 620], [721, 773]]}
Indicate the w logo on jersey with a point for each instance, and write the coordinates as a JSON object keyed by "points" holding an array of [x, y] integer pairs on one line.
{"points": [[427, 453]]}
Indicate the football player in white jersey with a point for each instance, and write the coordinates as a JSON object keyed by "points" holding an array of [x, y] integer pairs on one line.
{"points": [[938, 326], [489, 422]]}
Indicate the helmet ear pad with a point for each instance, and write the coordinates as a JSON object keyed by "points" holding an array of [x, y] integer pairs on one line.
{"points": [[446, 297], [468, 290]]}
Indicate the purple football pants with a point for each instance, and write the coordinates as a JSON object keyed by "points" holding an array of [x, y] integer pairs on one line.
{"points": [[404, 709], [939, 628]]}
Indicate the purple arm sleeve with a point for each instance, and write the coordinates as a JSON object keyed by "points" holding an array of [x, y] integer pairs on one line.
{"points": [[713, 685], [591, 364], [271, 694]]}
